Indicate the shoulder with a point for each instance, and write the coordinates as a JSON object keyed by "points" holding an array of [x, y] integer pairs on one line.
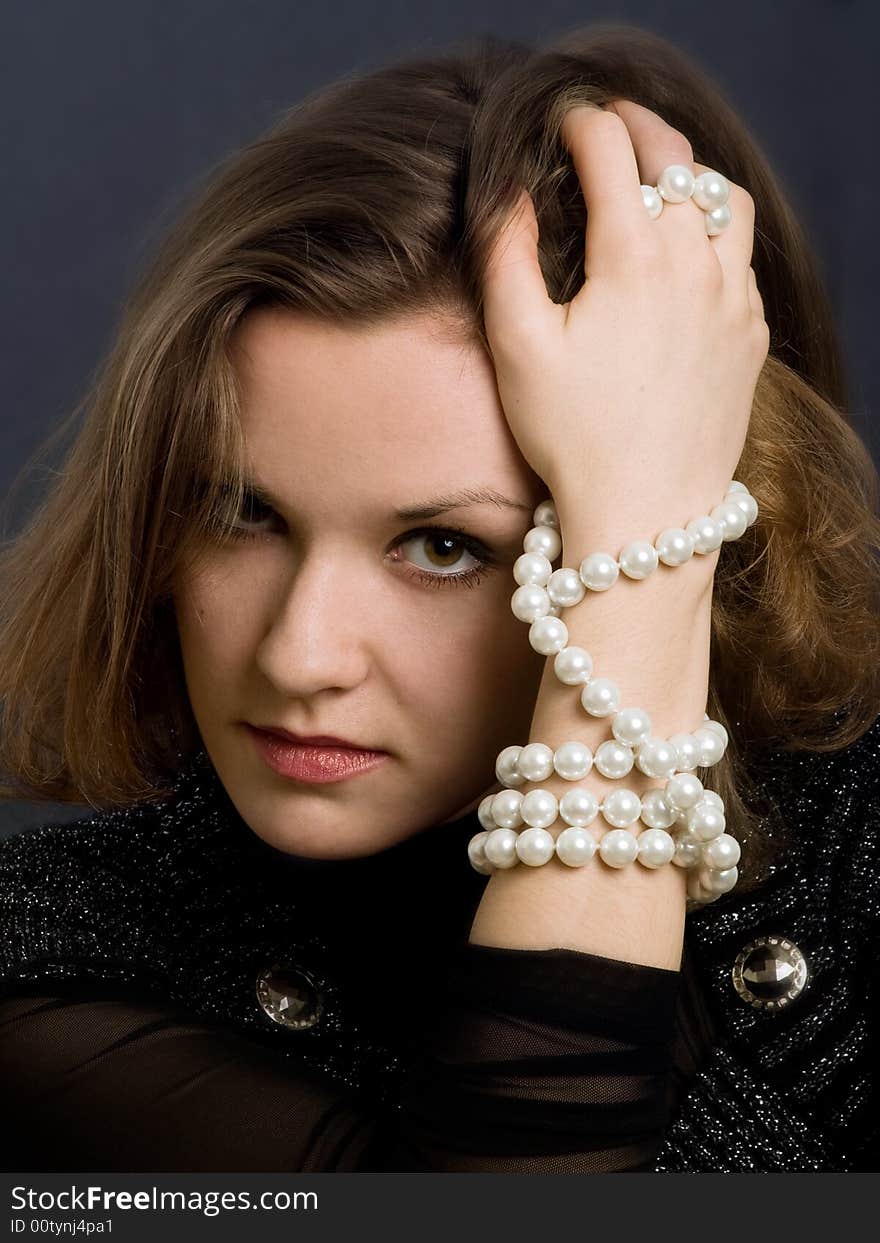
{"points": [[102, 889], [819, 802]]}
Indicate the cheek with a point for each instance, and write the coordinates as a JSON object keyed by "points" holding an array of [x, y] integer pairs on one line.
{"points": [[214, 629], [477, 677], [514, 670]]}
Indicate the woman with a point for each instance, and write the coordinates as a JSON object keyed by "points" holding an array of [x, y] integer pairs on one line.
{"points": [[257, 955]]}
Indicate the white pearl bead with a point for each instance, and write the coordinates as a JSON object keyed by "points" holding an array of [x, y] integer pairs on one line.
{"points": [[688, 851], [732, 518], [676, 183], [477, 854], [747, 504], [539, 808], [657, 813], [717, 728], [545, 540], [631, 726], [710, 796], [532, 569], [573, 665], [717, 220], [652, 200], [548, 635], [575, 847], [578, 807], [545, 515], [710, 746], [612, 759], [705, 822], [484, 813], [505, 809], [711, 189], [535, 846], [565, 587], [674, 546], [618, 848], [657, 758], [621, 808], [535, 761], [684, 790], [599, 571], [696, 890], [706, 533], [600, 697], [572, 760], [722, 852], [530, 602], [505, 767], [639, 559], [687, 749], [500, 848], [656, 847], [720, 882], [736, 486]]}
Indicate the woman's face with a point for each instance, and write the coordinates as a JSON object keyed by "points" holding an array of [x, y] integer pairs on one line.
{"points": [[340, 617]]}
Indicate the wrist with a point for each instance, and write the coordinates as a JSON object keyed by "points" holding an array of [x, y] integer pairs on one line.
{"points": [[606, 520], [583, 534]]}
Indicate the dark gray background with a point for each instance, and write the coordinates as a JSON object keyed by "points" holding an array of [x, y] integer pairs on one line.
{"points": [[112, 112]]}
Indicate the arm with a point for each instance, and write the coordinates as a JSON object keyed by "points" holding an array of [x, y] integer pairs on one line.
{"points": [[103, 1078], [652, 638]]}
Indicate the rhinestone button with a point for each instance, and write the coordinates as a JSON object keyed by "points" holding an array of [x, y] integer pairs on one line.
{"points": [[288, 996], [769, 972]]}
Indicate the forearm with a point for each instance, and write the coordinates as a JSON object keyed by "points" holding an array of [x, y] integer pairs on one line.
{"points": [[651, 637]]}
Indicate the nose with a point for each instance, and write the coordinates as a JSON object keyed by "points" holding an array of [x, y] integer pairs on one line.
{"points": [[321, 627]]}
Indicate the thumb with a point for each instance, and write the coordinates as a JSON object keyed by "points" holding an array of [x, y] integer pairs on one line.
{"points": [[516, 305]]}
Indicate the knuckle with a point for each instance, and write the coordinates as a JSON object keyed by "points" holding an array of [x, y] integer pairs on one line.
{"points": [[742, 202], [707, 271], [608, 118], [514, 338], [645, 259], [682, 149], [579, 116], [762, 335]]}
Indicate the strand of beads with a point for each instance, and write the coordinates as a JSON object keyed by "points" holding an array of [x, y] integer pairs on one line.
{"points": [[684, 822]]}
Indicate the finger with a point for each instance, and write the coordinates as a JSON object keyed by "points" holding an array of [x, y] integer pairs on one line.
{"points": [[735, 244], [602, 154], [756, 302], [657, 145], [515, 298]]}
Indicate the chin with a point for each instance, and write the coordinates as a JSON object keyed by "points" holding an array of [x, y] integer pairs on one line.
{"points": [[311, 836]]}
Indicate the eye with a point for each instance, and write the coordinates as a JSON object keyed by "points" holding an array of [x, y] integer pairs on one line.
{"points": [[444, 549], [247, 522]]}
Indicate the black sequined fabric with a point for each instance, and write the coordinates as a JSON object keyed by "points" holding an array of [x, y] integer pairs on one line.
{"points": [[443, 1055]]}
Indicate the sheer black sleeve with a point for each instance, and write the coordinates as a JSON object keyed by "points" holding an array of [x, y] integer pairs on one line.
{"points": [[529, 1061]]}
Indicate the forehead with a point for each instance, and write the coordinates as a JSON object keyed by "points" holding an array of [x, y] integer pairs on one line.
{"points": [[391, 408]]}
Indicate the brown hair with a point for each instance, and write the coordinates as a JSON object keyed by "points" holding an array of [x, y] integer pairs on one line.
{"points": [[375, 197]]}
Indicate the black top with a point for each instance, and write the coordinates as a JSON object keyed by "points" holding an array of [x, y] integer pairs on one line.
{"points": [[442, 1055], [556, 1065]]}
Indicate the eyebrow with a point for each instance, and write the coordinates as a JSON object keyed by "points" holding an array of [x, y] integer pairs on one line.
{"points": [[463, 499]]}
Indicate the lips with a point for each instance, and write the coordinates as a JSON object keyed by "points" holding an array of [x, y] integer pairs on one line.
{"points": [[311, 763], [312, 740]]}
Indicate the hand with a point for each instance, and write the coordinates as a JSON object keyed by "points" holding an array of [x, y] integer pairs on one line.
{"points": [[641, 387]]}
